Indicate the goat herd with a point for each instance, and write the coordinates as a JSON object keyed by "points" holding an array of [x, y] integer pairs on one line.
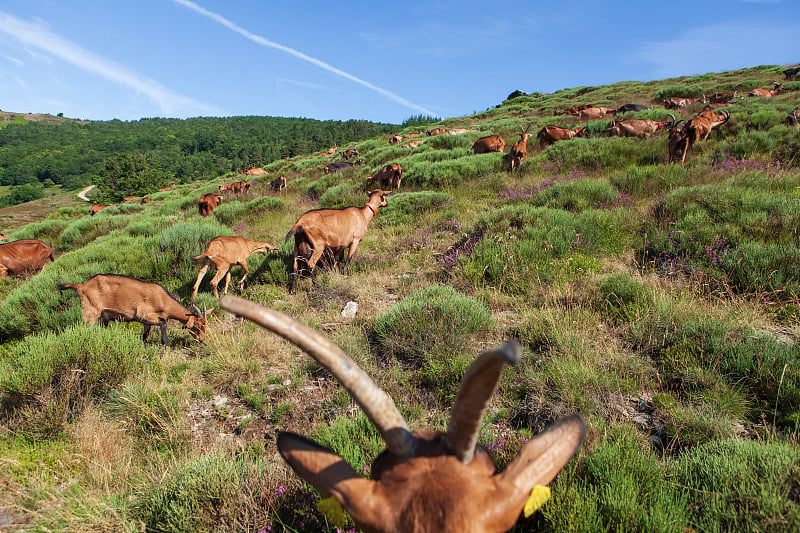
{"points": [[468, 494]]}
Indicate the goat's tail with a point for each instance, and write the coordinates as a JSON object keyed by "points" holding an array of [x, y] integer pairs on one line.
{"points": [[292, 232], [199, 257], [65, 286]]}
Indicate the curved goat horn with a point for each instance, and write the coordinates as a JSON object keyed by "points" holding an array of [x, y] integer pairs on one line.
{"points": [[377, 405], [476, 387]]}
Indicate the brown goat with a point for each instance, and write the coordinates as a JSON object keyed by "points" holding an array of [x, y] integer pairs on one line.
{"points": [[96, 208], [162, 189], [435, 131], [278, 184], [700, 127], [336, 229], [492, 143], [22, 256], [107, 297], [519, 151], [634, 127], [424, 480], [207, 204], [678, 142], [412, 144], [551, 134], [793, 118], [595, 113], [146, 201], [224, 252], [387, 178], [767, 93]]}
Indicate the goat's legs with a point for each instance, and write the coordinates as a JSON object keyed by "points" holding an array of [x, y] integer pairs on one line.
{"points": [[246, 273], [145, 332], [163, 325], [350, 253], [200, 275], [312, 263], [217, 278]]}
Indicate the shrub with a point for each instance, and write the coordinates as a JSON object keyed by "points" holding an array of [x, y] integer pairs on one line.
{"points": [[678, 91], [85, 230], [436, 321], [212, 493], [340, 196], [229, 213], [409, 206], [432, 329], [649, 180], [52, 375], [620, 297], [48, 231], [578, 195]]}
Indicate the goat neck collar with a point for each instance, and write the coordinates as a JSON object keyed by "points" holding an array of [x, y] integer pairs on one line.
{"points": [[374, 211]]}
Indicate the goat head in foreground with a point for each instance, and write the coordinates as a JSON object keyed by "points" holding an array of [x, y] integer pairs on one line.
{"points": [[424, 480]]}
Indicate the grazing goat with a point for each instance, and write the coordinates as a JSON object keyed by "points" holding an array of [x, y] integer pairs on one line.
{"points": [[574, 110], [146, 201], [678, 142], [458, 131], [3, 237], [96, 208], [129, 198], [492, 143], [700, 126], [634, 127], [678, 103], [793, 118], [551, 134], [25, 255], [162, 189], [626, 108], [336, 229], [595, 113], [350, 152], [436, 131], [278, 184], [412, 144], [107, 297], [224, 252], [207, 203], [387, 178], [425, 480], [520, 150], [767, 93], [791, 73]]}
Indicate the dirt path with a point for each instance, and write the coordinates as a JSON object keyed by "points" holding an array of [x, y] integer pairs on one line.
{"points": [[82, 194]]}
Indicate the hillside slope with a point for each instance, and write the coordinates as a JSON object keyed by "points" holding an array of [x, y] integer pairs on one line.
{"points": [[660, 300]]}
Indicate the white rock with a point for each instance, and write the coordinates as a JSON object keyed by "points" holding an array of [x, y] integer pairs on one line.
{"points": [[350, 310]]}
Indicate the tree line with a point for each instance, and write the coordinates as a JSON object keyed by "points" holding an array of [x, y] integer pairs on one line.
{"points": [[138, 157]]}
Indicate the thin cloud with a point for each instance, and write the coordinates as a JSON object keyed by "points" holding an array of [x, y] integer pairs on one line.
{"points": [[300, 55], [38, 36], [716, 47], [15, 60], [305, 84]]}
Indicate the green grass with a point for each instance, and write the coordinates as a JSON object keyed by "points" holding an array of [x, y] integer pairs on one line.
{"points": [[660, 301]]}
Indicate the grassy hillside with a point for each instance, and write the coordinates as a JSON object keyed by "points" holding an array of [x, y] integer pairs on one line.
{"points": [[660, 301]]}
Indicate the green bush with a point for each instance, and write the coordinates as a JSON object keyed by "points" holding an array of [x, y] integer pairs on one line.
{"points": [[679, 91], [649, 180], [48, 231], [229, 213], [432, 329], [85, 230], [53, 375], [620, 296], [340, 196], [409, 206], [578, 195], [436, 321], [211, 493]]}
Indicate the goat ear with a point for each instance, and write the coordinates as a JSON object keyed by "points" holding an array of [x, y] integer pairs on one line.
{"points": [[363, 498], [539, 462]]}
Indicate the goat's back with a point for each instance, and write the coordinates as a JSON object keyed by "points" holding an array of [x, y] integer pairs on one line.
{"points": [[125, 296], [24, 255], [331, 227]]}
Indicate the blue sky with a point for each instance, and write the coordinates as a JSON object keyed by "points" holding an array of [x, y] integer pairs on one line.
{"points": [[380, 61]]}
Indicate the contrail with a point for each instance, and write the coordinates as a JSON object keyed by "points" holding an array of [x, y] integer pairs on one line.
{"points": [[38, 36], [330, 68]]}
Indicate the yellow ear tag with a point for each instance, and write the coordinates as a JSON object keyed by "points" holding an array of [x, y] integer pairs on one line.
{"points": [[539, 496], [333, 511]]}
